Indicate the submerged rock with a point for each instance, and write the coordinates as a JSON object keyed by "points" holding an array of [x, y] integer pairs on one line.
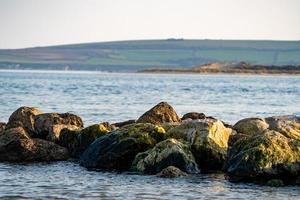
{"points": [[118, 149], [17, 146], [24, 117], [171, 172], [275, 183], [264, 156], [159, 114], [49, 125], [208, 139], [169, 152], [78, 140]]}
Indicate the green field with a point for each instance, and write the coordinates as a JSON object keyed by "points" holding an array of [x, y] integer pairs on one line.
{"points": [[136, 55]]}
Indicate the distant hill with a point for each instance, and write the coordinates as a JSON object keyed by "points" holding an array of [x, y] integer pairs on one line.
{"points": [[142, 54]]}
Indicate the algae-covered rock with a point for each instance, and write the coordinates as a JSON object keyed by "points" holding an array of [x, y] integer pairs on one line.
{"points": [[49, 125], [171, 172], [78, 140], [288, 125], [17, 146], [251, 126], [159, 114], [118, 149], [264, 156], [24, 117], [208, 139], [169, 152]]}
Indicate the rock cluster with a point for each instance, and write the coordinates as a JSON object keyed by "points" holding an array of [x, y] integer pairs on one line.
{"points": [[261, 150]]}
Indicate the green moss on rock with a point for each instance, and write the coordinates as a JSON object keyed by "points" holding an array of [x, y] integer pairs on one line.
{"points": [[170, 152]]}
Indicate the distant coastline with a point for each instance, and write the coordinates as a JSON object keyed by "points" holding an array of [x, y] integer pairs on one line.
{"points": [[231, 68]]}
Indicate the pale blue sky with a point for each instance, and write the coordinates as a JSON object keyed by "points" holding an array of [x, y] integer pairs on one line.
{"points": [[27, 23]]}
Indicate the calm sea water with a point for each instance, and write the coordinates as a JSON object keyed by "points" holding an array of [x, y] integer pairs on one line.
{"points": [[98, 97]]}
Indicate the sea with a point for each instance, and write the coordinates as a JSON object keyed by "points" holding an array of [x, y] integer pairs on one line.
{"points": [[115, 97]]}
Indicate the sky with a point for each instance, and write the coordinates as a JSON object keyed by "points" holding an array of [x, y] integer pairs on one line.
{"points": [[30, 23]]}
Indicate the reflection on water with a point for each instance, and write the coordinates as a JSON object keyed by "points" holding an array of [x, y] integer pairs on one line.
{"points": [[67, 180]]}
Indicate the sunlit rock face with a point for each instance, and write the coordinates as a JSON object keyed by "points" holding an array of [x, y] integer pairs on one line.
{"points": [[208, 139], [170, 152], [159, 114]]}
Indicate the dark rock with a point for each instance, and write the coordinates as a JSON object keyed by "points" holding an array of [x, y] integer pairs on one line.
{"points": [[49, 125], [121, 124], [17, 146], [171, 172], [78, 140], [193, 116], [169, 152], [275, 183], [118, 149], [23, 117], [208, 139], [159, 114], [2, 127]]}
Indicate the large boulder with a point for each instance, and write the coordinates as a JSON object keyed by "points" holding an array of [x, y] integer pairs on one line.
{"points": [[171, 172], [251, 126], [2, 127], [76, 141], [159, 114], [24, 117], [169, 152], [118, 149], [49, 125], [264, 156], [208, 139], [17, 146]]}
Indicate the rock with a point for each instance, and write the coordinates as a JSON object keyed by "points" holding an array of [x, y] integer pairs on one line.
{"points": [[169, 152], [16, 146], [76, 141], [171, 172], [121, 124], [288, 125], [251, 126], [234, 138], [275, 183], [159, 114], [49, 125], [2, 127], [118, 149], [264, 156], [193, 116], [24, 117], [208, 139]]}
